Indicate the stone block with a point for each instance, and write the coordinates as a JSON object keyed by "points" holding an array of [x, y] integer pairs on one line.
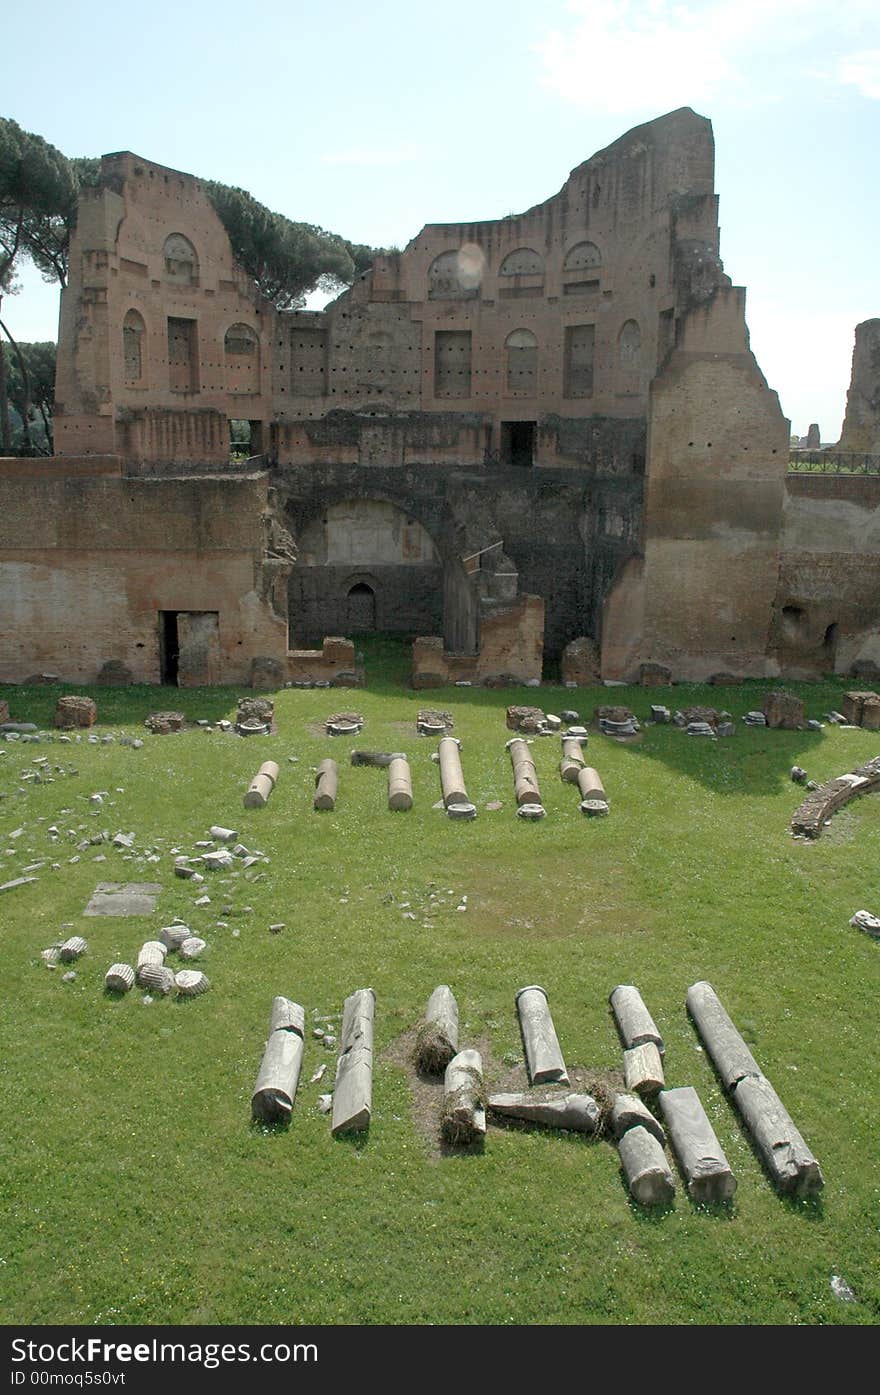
{"points": [[75, 712], [655, 675], [783, 710]]}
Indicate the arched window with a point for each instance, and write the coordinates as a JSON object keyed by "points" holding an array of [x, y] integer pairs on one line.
{"points": [[522, 362], [523, 262], [584, 256], [456, 275], [133, 331], [241, 348], [629, 347], [181, 262], [361, 607]]}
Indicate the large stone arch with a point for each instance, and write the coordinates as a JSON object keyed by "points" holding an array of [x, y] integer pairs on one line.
{"points": [[343, 537]]}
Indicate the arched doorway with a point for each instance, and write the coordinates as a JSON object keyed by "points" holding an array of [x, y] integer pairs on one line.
{"points": [[361, 608]]}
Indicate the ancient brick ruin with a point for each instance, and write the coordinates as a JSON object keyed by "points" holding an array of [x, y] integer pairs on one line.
{"points": [[510, 436]]}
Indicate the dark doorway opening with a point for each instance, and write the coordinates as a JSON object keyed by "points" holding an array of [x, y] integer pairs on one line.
{"points": [[829, 645], [518, 442], [169, 647], [361, 607]]}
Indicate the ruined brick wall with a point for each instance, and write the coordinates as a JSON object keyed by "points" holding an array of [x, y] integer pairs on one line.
{"points": [[861, 425], [717, 457], [88, 562], [162, 339], [826, 616]]}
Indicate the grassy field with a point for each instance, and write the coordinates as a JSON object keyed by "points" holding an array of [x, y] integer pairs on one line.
{"points": [[136, 1188]]}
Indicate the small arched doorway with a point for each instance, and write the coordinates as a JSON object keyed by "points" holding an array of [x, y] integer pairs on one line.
{"points": [[361, 601]]}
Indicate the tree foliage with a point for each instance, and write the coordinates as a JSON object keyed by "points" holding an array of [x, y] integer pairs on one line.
{"points": [[39, 192], [284, 259], [30, 394]]}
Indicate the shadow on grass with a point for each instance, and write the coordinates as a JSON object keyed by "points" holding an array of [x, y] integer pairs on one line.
{"points": [[356, 1140]]}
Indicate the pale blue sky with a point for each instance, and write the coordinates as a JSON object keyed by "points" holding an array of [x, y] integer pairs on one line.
{"points": [[374, 119]]}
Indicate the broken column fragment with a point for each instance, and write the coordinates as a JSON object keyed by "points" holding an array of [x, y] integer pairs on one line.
{"points": [[261, 786], [525, 776], [119, 978], [634, 1022], [589, 783], [326, 785], [451, 774], [437, 1040], [579, 1113], [791, 1165], [629, 1112], [572, 759], [643, 1069], [645, 1167], [400, 797], [701, 1159], [543, 1053], [353, 1092], [464, 1113], [278, 1076]]}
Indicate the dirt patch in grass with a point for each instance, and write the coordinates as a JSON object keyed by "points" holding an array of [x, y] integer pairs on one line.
{"points": [[426, 1091]]}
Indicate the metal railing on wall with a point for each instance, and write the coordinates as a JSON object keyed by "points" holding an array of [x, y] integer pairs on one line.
{"points": [[832, 462]]}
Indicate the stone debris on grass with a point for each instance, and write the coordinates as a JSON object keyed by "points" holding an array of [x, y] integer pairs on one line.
{"points": [[841, 1289], [706, 1171], [156, 977], [190, 983], [73, 948], [222, 835], [864, 920], [543, 1052], [463, 1119], [645, 1168]]}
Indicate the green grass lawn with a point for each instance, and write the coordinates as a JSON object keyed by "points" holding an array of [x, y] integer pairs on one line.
{"points": [[136, 1189]]}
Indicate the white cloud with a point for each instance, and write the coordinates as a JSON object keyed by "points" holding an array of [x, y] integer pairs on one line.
{"points": [[370, 156], [627, 55], [862, 70]]}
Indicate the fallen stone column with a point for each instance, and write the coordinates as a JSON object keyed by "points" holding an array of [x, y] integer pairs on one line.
{"points": [[645, 1167], [353, 1092], [326, 784], [634, 1022], [262, 785], [791, 1165], [451, 774], [786, 1156], [731, 1057], [437, 1040], [579, 1113], [525, 776], [400, 797], [572, 759], [464, 1114], [119, 978], [629, 1112], [643, 1069], [543, 1053], [590, 784], [278, 1077], [700, 1157], [150, 955]]}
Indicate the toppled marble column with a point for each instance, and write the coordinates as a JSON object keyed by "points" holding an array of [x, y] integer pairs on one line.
{"points": [[704, 1167], [788, 1160], [326, 784], [190, 983], [261, 786], [525, 776], [278, 1076], [590, 785], [451, 774], [645, 1167], [580, 1113], [629, 1112], [151, 955], [464, 1113], [543, 1053], [400, 796], [643, 1069], [119, 978], [353, 1092], [155, 978], [634, 1022], [72, 949], [572, 759], [173, 936], [437, 1040]]}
